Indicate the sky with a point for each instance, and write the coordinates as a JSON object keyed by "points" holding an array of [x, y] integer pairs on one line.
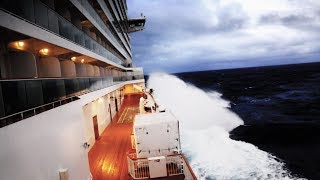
{"points": [[197, 35]]}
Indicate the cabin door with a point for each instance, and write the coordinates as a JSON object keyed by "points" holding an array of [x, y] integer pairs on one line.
{"points": [[95, 127], [110, 112], [116, 101]]}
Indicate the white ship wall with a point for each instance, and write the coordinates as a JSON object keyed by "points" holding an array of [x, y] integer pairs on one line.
{"points": [[101, 109], [37, 147]]}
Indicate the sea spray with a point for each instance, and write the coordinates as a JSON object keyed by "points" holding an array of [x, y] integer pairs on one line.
{"points": [[205, 123]]}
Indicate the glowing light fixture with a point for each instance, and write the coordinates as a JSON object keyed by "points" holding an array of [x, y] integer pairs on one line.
{"points": [[82, 60], [73, 58], [100, 100], [44, 51], [20, 44]]}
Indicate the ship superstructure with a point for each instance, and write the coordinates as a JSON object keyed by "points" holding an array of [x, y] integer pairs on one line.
{"points": [[65, 68], [66, 77]]}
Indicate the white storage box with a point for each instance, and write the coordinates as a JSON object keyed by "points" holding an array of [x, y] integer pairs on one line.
{"points": [[156, 134]]}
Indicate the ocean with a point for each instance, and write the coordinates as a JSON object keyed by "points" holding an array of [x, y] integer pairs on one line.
{"points": [[280, 108]]}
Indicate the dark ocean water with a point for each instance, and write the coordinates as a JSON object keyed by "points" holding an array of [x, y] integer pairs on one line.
{"points": [[280, 106]]}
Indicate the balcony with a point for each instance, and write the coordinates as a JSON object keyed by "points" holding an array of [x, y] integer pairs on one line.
{"points": [[20, 99], [41, 15]]}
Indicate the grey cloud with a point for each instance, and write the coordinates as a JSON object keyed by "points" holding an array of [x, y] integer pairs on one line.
{"points": [[185, 36], [291, 19]]}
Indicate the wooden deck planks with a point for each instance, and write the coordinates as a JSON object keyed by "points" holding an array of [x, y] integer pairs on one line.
{"points": [[107, 158]]}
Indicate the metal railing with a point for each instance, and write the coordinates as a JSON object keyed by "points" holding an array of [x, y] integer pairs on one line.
{"points": [[127, 78], [91, 11], [54, 23], [107, 12], [138, 168], [7, 120], [174, 165], [96, 84]]}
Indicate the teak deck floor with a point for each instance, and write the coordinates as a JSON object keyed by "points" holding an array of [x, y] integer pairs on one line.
{"points": [[107, 158]]}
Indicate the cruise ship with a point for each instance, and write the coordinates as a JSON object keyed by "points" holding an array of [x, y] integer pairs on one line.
{"points": [[70, 96]]}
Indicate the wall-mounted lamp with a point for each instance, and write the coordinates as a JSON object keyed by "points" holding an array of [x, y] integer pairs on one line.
{"points": [[82, 60], [100, 100], [44, 51], [73, 58], [20, 44]]}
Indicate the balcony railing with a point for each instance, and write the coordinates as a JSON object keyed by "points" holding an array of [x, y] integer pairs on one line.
{"points": [[127, 78], [23, 98], [101, 24], [120, 33], [176, 165], [39, 14], [4, 121]]}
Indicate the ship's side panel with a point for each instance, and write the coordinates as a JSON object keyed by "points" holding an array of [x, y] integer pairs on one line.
{"points": [[39, 146], [63, 66]]}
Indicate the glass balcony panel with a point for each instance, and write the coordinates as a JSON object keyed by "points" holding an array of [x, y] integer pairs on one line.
{"points": [[87, 84], [72, 86], [14, 96], [1, 103], [53, 22], [41, 14], [53, 90], [34, 93], [99, 21]]}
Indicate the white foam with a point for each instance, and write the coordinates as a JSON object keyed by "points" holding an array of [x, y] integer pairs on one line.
{"points": [[205, 123]]}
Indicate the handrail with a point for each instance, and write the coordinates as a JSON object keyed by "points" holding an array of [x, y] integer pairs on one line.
{"points": [[139, 76], [139, 168], [62, 78], [189, 167], [51, 103]]}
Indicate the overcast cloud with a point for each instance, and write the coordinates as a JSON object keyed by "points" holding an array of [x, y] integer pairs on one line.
{"points": [[193, 35]]}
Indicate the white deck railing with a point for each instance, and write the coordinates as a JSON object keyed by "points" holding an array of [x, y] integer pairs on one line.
{"points": [[138, 168]]}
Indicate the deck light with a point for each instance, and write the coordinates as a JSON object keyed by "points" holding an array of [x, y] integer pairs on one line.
{"points": [[82, 60], [73, 58], [44, 51]]}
